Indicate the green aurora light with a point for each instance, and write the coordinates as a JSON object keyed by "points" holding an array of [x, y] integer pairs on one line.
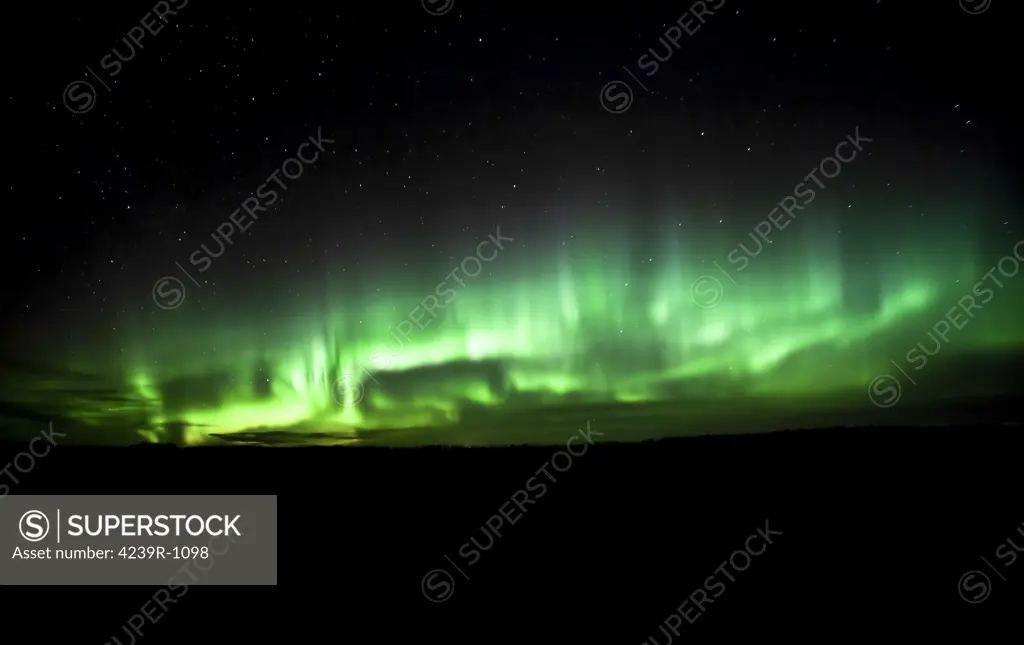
{"points": [[591, 322]]}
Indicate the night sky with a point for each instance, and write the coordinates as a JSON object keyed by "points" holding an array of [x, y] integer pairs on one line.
{"points": [[476, 222]]}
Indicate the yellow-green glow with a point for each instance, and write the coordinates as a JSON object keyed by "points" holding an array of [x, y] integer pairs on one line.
{"points": [[583, 325]]}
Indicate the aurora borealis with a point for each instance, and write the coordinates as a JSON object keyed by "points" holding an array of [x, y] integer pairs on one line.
{"points": [[536, 327], [398, 265], [478, 253]]}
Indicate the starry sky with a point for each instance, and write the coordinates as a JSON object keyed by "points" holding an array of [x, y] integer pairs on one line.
{"points": [[478, 222]]}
